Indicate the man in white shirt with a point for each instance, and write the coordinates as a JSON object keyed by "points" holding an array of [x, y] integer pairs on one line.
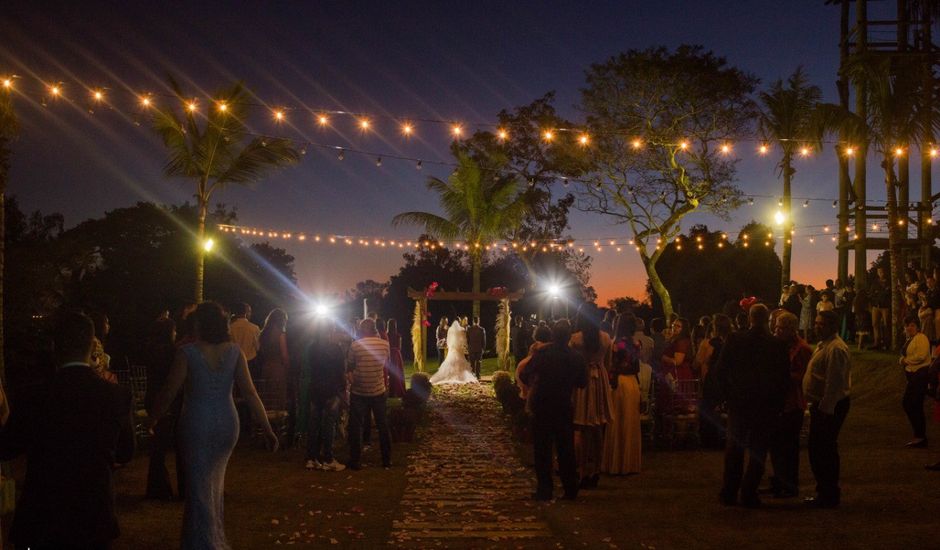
{"points": [[826, 387], [245, 334], [366, 360]]}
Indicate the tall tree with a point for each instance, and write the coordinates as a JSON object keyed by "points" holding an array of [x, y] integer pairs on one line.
{"points": [[896, 121], [661, 124], [786, 118], [216, 150], [482, 203], [8, 130]]}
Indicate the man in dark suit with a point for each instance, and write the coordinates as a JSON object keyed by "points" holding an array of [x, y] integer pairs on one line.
{"points": [[476, 343], [73, 431], [753, 374], [520, 338]]}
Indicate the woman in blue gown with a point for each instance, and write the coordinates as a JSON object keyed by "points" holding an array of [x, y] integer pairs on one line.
{"points": [[208, 425]]}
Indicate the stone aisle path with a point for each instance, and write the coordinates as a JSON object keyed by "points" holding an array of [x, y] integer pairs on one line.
{"points": [[466, 488]]}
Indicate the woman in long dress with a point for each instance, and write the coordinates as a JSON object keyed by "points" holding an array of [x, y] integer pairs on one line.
{"points": [[209, 422], [592, 402], [275, 359], [622, 441], [455, 369]]}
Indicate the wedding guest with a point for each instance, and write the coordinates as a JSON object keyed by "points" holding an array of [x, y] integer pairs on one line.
{"points": [[100, 360], [186, 325], [711, 427], [879, 294], [622, 446], [657, 326], [753, 373], [559, 371], [396, 365], [826, 387], [441, 339], [592, 402], [366, 359], [543, 337], [208, 424], [520, 338], [785, 439], [825, 303], [607, 325], [275, 359], [807, 311], [246, 335], [645, 342], [675, 365], [324, 363], [160, 350], [476, 343], [72, 431], [915, 360]]}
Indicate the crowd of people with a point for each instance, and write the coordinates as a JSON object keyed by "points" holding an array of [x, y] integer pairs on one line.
{"points": [[204, 370], [582, 389], [213, 375]]}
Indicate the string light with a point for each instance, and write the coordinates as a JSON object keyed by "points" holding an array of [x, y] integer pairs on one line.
{"points": [[323, 120], [98, 95], [222, 106], [804, 151], [7, 82], [278, 115], [407, 129], [55, 90], [456, 130], [584, 140], [763, 149], [898, 152], [364, 124], [548, 135], [192, 106], [933, 150], [636, 143], [683, 145], [849, 151], [502, 134], [725, 148]]}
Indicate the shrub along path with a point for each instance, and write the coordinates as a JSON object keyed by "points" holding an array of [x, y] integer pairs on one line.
{"points": [[465, 485]]}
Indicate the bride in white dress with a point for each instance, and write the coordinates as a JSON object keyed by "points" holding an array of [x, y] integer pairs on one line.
{"points": [[455, 369]]}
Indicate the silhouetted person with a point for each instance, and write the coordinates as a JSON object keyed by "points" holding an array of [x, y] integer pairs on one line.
{"points": [[753, 374], [476, 343], [72, 431], [555, 371]]}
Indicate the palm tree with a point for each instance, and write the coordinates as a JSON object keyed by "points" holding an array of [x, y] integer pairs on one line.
{"points": [[8, 129], [786, 118], [216, 150], [480, 203], [896, 119]]}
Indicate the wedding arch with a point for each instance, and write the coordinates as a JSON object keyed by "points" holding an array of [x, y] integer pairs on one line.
{"points": [[419, 328]]}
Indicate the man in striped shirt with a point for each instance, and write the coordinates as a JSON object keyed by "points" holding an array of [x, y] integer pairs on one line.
{"points": [[366, 361]]}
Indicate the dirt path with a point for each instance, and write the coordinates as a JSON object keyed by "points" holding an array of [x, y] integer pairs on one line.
{"points": [[465, 487]]}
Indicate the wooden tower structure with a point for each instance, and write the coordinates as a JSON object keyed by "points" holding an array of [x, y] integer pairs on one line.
{"points": [[908, 34]]}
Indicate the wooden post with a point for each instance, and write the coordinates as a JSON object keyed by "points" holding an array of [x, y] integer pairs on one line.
{"points": [[424, 334]]}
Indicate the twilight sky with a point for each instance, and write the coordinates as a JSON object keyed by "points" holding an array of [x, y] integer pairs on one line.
{"points": [[461, 61]]}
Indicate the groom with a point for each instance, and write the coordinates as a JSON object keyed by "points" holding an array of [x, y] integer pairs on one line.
{"points": [[476, 343]]}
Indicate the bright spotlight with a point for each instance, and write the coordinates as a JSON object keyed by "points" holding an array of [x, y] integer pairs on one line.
{"points": [[554, 290], [208, 245], [780, 217]]}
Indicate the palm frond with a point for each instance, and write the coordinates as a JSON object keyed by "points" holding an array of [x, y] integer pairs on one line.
{"points": [[433, 224], [257, 158]]}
